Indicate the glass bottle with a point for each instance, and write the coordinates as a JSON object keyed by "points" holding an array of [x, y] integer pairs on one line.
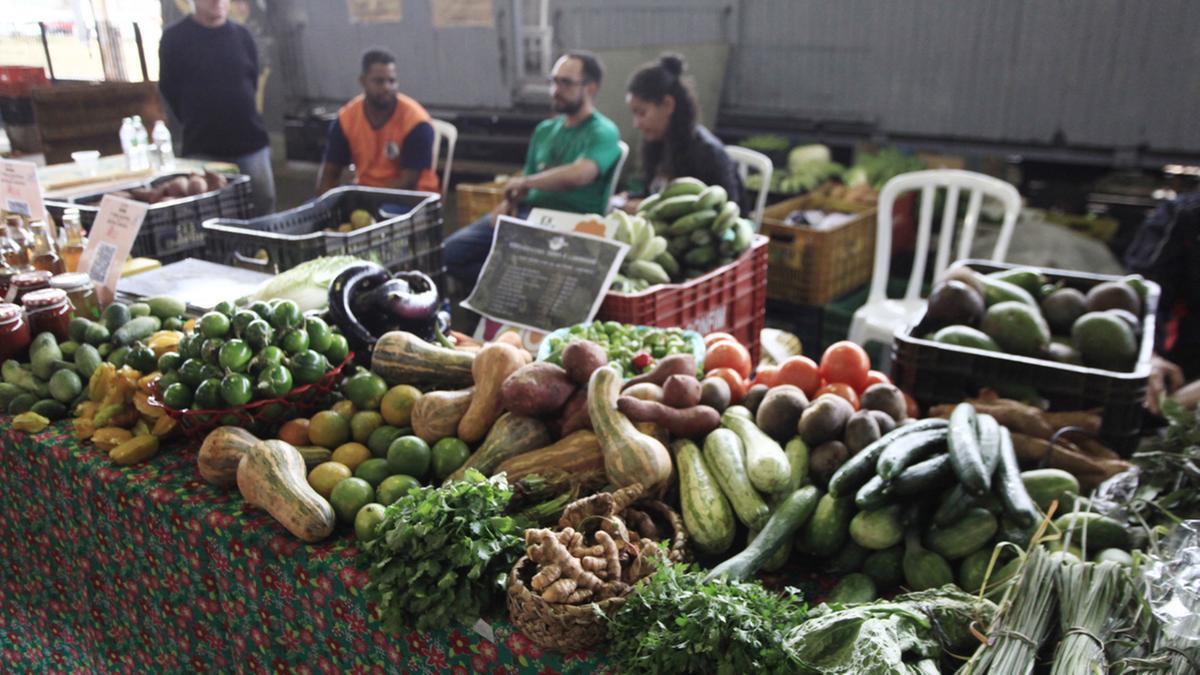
{"points": [[74, 242], [45, 253], [16, 244]]}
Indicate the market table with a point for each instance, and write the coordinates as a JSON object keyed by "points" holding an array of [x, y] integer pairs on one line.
{"points": [[149, 568]]}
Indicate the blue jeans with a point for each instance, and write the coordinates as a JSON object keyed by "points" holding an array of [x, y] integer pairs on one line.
{"points": [[256, 165], [465, 251]]}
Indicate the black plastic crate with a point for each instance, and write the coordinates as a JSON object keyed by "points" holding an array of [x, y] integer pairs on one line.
{"points": [[935, 373], [171, 230], [411, 240], [16, 110]]}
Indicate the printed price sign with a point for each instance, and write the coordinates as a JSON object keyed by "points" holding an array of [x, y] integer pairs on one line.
{"points": [[20, 191], [542, 279], [109, 243], [566, 221]]}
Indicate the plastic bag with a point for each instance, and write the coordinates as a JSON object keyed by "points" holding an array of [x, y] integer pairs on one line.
{"points": [[1172, 582]]}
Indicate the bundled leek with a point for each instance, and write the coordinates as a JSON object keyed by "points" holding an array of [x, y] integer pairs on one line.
{"points": [[1023, 621], [1090, 598]]}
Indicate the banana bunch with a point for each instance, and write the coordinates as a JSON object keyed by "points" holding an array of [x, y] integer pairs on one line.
{"points": [[645, 246], [703, 228]]}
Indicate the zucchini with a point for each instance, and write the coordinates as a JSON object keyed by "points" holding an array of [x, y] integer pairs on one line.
{"points": [[878, 529], [796, 452], [886, 567], [964, 537], [791, 514], [1096, 531], [1013, 494], [989, 444], [705, 510], [932, 474], [1045, 486], [908, 450], [858, 469], [825, 533], [924, 569], [954, 504], [963, 443], [724, 456], [853, 589], [781, 555], [136, 329], [874, 494], [766, 463]]}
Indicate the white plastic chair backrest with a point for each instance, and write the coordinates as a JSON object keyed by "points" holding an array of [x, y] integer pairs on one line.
{"points": [[443, 129], [954, 181], [612, 184], [747, 159]]}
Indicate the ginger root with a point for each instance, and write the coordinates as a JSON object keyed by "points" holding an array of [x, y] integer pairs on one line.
{"points": [[601, 504]]}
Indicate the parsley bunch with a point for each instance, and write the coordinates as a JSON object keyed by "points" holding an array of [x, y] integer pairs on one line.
{"points": [[442, 553]]}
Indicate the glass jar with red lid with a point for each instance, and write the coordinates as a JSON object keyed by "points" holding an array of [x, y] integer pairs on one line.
{"points": [[15, 335], [28, 282], [48, 310], [6, 276]]}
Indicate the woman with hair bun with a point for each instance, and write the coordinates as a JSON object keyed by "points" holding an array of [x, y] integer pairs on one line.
{"points": [[674, 143]]}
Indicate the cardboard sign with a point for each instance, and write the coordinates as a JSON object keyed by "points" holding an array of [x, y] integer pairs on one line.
{"points": [[20, 191], [109, 243], [542, 279], [565, 221]]}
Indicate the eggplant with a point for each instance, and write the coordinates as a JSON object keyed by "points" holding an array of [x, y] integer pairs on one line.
{"points": [[352, 282], [367, 302]]}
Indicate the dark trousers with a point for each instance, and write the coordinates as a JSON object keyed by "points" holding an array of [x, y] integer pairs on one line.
{"points": [[465, 251]]}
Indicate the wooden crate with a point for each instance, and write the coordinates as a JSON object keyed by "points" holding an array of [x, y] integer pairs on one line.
{"points": [[812, 267], [475, 200], [88, 116]]}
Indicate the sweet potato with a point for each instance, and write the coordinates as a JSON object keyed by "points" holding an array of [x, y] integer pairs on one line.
{"points": [[694, 423], [575, 414], [681, 391], [646, 391], [1064, 455], [582, 357], [675, 364], [536, 389]]}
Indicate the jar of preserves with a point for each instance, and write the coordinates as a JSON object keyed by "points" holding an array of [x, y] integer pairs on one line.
{"points": [[15, 335], [27, 282], [80, 292], [49, 310], [6, 276]]}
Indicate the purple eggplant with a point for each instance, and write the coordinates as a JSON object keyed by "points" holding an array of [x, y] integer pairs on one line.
{"points": [[352, 283]]}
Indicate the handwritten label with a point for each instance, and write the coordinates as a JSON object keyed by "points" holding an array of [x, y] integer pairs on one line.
{"points": [[20, 191], [109, 242], [565, 221]]}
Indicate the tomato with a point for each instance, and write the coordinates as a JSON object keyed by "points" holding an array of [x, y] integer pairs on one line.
{"points": [[728, 354], [840, 389], [800, 371], [766, 375], [737, 384], [713, 338], [913, 410], [847, 363], [876, 377]]}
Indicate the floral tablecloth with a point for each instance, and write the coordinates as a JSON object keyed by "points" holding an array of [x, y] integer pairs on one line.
{"points": [[149, 568]]}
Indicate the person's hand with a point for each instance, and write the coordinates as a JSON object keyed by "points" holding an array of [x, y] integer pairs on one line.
{"points": [[1188, 396], [515, 189], [1165, 377], [504, 208]]}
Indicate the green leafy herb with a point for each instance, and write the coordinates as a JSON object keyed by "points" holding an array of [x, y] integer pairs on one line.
{"points": [[442, 553]]}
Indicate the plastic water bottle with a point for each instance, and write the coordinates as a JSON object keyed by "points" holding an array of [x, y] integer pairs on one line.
{"points": [[127, 134], [141, 144], [163, 149]]}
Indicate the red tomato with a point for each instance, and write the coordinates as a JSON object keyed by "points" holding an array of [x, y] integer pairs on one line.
{"points": [[802, 372], [766, 375], [737, 384], [839, 389], [876, 377], [847, 363], [728, 354], [913, 410], [713, 338]]}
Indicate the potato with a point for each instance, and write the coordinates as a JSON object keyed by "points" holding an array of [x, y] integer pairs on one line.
{"points": [[176, 187], [780, 411], [714, 393], [581, 358], [575, 413], [675, 364], [886, 398], [694, 423], [681, 391], [536, 389], [825, 459], [646, 391], [825, 419], [214, 181], [861, 431], [754, 397], [196, 186], [884, 420]]}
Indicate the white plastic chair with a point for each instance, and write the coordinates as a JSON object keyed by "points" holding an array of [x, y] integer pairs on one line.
{"points": [[881, 317], [747, 159], [612, 184], [443, 129]]}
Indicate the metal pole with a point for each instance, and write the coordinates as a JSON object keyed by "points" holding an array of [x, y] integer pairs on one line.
{"points": [[46, 48], [137, 38], [100, 46]]}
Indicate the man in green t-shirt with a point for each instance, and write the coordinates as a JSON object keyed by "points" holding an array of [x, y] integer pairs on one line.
{"points": [[568, 167]]}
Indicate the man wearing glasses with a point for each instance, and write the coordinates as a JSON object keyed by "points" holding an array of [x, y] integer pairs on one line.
{"points": [[568, 167]]}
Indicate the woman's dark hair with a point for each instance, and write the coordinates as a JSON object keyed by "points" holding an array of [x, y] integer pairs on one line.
{"points": [[653, 82]]}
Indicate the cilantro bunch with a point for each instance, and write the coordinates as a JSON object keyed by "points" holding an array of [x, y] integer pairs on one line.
{"points": [[442, 553]]}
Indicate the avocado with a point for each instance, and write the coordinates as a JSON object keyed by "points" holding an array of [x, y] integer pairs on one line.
{"points": [[965, 336], [998, 290], [1114, 295], [1027, 278], [1061, 308], [964, 274], [1062, 352], [1105, 340], [1138, 283], [1134, 324], [1017, 327], [954, 302]]}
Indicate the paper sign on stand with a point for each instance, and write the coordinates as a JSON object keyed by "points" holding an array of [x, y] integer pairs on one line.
{"points": [[565, 221], [20, 191], [109, 242]]}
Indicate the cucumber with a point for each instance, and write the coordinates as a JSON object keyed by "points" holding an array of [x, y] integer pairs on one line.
{"points": [[50, 409], [934, 473], [314, 455], [781, 555], [705, 510], [964, 537], [724, 456], [874, 494], [766, 464], [646, 204], [886, 567], [1101, 532], [96, 334], [973, 570], [684, 185], [996, 584], [165, 307], [712, 197], [726, 219], [909, 449], [924, 569], [989, 444], [954, 504], [139, 309], [849, 559], [878, 529], [115, 316], [668, 263], [853, 589], [136, 329], [77, 329], [861, 467], [788, 517], [825, 533], [1014, 496], [963, 443], [692, 221], [1047, 485]]}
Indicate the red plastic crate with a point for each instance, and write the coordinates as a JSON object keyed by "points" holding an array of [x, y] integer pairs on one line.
{"points": [[20, 80], [732, 298]]}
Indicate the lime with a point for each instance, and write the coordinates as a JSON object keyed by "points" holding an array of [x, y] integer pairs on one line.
{"points": [[345, 409], [397, 404], [381, 439], [366, 520], [363, 424], [214, 324], [351, 454], [373, 471], [394, 487], [448, 454], [235, 355], [349, 496], [208, 395], [366, 390], [319, 335], [326, 475], [409, 455], [328, 429], [286, 314], [294, 340], [338, 349], [236, 389], [177, 396]]}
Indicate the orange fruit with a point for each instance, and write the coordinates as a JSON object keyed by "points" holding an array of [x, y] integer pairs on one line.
{"points": [[325, 476], [294, 432], [351, 454], [328, 429], [397, 404]]}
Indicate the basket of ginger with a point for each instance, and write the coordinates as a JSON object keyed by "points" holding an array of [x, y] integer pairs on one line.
{"points": [[572, 577]]}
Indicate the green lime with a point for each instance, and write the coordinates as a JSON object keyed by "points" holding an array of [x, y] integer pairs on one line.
{"points": [[307, 367], [225, 307], [191, 372], [177, 396], [236, 389], [373, 471], [338, 349], [258, 334], [211, 350], [65, 385], [328, 429], [294, 340], [409, 455], [381, 439], [365, 390], [367, 520], [214, 324], [394, 487], [448, 454], [235, 355], [363, 424], [262, 309], [241, 319], [350, 495], [208, 395], [169, 362], [274, 382], [319, 335], [286, 314]]}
